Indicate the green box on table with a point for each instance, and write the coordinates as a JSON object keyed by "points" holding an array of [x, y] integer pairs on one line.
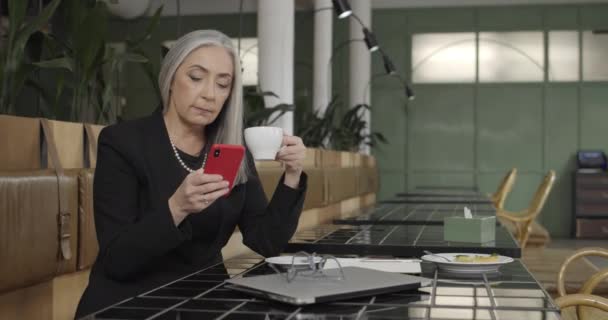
{"points": [[478, 229]]}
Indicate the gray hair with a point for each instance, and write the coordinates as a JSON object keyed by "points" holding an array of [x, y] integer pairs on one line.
{"points": [[228, 126]]}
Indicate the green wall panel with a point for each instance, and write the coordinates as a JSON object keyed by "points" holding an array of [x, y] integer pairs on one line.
{"points": [[557, 213], [561, 126], [510, 18], [594, 16], [561, 18], [440, 179], [561, 142], [442, 128], [594, 114], [391, 182], [441, 20], [391, 122], [509, 127], [394, 44]]}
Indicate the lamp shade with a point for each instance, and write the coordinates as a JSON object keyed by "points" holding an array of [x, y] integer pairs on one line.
{"points": [[370, 40], [127, 9], [389, 67], [409, 93], [342, 8]]}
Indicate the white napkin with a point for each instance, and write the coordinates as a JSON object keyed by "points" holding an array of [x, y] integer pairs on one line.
{"points": [[467, 213]]}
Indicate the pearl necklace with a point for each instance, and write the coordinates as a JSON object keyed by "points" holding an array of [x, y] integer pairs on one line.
{"points": [[179, 159]]}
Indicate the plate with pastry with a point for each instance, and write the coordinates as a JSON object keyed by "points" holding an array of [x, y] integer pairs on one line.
{"points": [[467, 262]]}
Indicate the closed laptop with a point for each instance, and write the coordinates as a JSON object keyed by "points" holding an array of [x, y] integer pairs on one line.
{"points": [[303, 290]]}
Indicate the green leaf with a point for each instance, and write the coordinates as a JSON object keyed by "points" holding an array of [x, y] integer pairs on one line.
{"points": [[262, 117], [60, 84], [13, 78], [59, 63], [263, 94], [133, 57], [16, 12], [89, 40], [46, 98], [36, 24]]}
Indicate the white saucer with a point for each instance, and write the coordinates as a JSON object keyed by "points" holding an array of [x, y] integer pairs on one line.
{"points": [[287, 261], [465, 267]]}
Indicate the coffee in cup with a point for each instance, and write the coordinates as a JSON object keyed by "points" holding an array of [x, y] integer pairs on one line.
{"points": [[264, 142]]}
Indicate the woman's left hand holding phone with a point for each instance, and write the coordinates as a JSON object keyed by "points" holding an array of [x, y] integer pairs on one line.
{"points": [[196, 193]]}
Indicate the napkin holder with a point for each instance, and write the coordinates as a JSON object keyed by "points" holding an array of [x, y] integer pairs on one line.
{"points": [[477, 229]]}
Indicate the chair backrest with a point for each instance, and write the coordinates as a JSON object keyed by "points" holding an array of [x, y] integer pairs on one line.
{"points": [[524, 220], [541, 195], [504, 188]]}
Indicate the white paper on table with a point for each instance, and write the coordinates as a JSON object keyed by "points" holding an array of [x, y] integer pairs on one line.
{"points": [[387, 265]]}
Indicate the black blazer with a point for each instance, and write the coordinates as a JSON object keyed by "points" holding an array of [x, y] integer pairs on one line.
{"points": [[140, 248]]}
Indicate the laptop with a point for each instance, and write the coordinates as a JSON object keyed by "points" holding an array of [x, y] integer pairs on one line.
{"points": [[357, 282]]}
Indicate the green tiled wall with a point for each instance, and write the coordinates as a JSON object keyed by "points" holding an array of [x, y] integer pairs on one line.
{"points": [[472, 134]]}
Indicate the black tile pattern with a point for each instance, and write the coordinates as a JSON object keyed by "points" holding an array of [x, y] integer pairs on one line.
{"points": [[413, 214], [394, 240], [511, 294], [442, 198], [442, 193]]}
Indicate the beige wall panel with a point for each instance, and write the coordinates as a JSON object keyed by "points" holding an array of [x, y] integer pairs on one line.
{"points": [[67, 290], [69, 138], [96, 130], [19, 143], [313, 158], [31, 303]]}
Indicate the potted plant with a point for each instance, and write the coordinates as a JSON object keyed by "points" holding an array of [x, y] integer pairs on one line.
{"points": [[87, 67], [15, 65], [256, 112]]}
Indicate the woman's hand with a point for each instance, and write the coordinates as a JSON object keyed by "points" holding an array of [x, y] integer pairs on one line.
{"points": [[196, 193], [292, 154]]}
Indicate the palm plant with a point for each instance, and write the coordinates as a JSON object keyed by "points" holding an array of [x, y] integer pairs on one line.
{"points": [[327, 131], [315, 129], [88, 68], [349, 135], [256, 113], [15, 66]]}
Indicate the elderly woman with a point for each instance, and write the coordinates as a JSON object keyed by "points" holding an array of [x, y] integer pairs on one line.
{"points": [[158, 215]]}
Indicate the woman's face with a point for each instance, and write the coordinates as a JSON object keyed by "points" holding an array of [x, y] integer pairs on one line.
{"points": [[201, 85]]}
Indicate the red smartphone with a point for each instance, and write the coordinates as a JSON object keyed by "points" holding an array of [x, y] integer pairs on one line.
{"points": [[225, 160]]}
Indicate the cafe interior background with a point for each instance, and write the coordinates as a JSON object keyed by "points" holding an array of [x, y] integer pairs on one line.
{"points": [[454, 94]]}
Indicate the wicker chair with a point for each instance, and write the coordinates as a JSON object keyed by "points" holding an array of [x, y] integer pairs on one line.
{"points": [[584, 297], [523, 220], [504, 188]]}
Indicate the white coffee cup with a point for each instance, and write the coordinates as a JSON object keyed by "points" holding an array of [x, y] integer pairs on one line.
{"points": [[264, 142]]}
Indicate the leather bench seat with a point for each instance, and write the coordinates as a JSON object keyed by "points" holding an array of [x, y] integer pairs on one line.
{"points": [[30, 226], [87, 237]]}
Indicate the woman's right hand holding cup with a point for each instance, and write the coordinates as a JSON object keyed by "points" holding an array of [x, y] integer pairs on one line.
{"points": [[196, 193]]}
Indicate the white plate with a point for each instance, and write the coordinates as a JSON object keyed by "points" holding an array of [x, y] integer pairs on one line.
{"points": [[287, 261], [465, 267]]}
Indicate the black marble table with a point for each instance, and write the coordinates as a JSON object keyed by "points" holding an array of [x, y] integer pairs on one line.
{"points": [[412, 214], [442, 193], [511, 294], [394, 240], [449, 199]]}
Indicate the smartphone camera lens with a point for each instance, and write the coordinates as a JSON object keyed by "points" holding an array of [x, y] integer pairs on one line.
{"points": [[216, 153]]}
